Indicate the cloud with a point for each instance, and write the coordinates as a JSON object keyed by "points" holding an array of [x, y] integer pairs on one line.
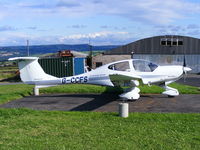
{"points": [[113, 27], [67, 4], [144, 11], [195, 32], [154, 12], [193, 26], [187, 30], [7, 28], [105, 27], [77, 26], [32, 28], [35, 6], [97, 38]]}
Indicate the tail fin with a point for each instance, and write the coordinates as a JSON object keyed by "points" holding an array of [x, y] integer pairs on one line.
{"points": [[30, 70]]}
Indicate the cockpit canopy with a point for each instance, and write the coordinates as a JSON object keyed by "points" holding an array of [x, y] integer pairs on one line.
{"points": [[138, 65], [144, 66]]}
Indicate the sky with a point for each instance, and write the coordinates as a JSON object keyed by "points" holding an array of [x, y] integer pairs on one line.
{"points": [[98, 22]]}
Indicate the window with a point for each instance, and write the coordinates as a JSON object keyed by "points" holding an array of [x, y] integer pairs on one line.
{"points": [[163, 42], [174, 43], [171, 41], [122, 66], [98, 64], [180, 42], [144, 66]]}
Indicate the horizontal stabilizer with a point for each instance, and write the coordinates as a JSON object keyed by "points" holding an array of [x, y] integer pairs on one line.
{"points": [[23, 58]]}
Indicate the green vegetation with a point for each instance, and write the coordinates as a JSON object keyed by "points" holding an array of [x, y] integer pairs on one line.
{"points": [[7, 72], [6, 75], [28, 129], [83, 88], [11, 92], [183, 89]]}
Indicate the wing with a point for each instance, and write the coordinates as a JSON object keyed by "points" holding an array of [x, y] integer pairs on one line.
{"points": [[133, 92], [123, 77]]}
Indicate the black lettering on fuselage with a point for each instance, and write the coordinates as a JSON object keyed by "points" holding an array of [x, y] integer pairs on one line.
{"points": [[82, 79]]}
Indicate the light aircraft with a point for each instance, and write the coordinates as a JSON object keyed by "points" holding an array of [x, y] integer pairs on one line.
{"points": [[132, 72]]}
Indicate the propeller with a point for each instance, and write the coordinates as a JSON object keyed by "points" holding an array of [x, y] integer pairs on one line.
{"points": [[185, 69]]}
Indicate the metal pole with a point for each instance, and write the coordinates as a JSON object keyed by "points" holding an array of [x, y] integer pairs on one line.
{"points": [[28, 47], [36, 91]]}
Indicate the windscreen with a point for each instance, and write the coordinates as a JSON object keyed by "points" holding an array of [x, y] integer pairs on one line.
{"points": [[144, 66]]}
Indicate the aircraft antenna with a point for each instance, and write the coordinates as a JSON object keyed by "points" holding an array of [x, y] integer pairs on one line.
{"points": [[132, 53]]}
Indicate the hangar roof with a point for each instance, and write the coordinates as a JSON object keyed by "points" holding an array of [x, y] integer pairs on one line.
{"points": [[167, 44]]}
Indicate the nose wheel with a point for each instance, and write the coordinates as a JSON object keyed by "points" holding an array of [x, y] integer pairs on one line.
{"points": [[170, 92]]}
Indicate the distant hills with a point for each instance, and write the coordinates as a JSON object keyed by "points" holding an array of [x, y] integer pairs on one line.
{"points": [[13, 51]]}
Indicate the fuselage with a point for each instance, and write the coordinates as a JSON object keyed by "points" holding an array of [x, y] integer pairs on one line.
{"points": [[148, 75]]}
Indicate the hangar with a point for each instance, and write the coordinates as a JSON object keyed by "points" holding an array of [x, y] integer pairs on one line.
{"points": [[164, 50]]}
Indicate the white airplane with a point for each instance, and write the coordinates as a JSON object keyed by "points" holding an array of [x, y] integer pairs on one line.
{"points": [[130, 72]]}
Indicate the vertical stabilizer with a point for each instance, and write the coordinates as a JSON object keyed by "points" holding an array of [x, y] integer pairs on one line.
{"points": [[30, 70]]}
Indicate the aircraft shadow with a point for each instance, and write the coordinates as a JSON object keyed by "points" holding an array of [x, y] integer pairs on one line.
{"points": [[97, 102]]}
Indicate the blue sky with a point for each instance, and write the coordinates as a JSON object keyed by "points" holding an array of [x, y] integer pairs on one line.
{"points": [[104, 22]]}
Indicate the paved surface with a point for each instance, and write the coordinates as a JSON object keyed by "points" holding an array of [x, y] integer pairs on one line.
{"points": [[108, 103], [191, 79]]}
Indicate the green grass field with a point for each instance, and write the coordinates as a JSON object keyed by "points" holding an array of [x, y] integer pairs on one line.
{"points": [[59, 130], [28, 129]]}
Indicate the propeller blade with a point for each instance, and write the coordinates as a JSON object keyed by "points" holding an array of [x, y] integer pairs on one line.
{"points": [[184, 61], [186, 69]]}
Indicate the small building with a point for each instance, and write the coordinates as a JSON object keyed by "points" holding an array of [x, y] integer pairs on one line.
{"points": [[65, 63], [164, 50]]}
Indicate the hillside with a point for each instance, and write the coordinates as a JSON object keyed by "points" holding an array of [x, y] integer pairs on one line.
{"points": [[12, 51]]}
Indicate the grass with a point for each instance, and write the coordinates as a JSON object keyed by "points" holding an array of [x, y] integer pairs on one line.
{"points": [[183, 89], [6, 75], [12, 92], [7, 72], [83, 88], [28, 129]]}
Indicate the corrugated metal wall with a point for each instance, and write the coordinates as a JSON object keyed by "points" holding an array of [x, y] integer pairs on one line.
{"points": [[62, 66], [192, 61], [59, 67], [153, 45]]}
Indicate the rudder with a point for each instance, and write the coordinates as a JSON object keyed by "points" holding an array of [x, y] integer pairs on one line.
{"points": [[30, 70]]}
